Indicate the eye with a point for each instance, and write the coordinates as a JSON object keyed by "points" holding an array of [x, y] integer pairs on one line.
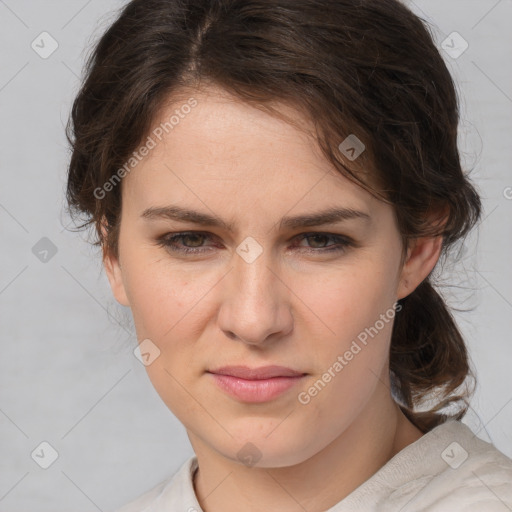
{"points": [[191, 242], [173, 242], [320, 239]]}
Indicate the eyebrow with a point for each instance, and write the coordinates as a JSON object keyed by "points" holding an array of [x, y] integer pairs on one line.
{"points": [[328, 216]]}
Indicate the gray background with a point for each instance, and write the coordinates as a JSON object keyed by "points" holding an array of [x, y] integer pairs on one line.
{"points": [[68, 373]]}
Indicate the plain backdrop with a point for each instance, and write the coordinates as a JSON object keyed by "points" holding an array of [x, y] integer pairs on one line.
{"points": [[69, 377]]}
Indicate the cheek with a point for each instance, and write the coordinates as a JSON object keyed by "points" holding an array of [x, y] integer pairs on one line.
{"points": [[168, 308], [351, 345], [161, 295], [349, 300], [155, 302], [351, 342], [168, 302]]}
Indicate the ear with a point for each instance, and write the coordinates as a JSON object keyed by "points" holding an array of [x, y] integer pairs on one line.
{"points": [[423, 253], [422, 257], [114, 273]]}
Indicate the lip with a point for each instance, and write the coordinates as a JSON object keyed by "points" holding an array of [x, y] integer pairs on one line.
{"points": [[263, 372], [256, 385]]}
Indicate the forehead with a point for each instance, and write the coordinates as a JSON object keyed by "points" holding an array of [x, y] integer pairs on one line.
{"points": [[226, 148]]}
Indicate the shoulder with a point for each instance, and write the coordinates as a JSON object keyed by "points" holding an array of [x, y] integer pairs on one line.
{"points": [[449, 469], [142, 502], [475, 476], [166, 493]]}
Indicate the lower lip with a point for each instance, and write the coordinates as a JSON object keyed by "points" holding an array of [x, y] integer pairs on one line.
{"points": [[255, 391]]}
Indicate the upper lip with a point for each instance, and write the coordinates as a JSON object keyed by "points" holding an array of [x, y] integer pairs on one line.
{"points": [[263, 372]]}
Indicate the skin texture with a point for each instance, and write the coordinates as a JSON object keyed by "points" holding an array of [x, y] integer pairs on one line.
{"points": [[288, 307]]}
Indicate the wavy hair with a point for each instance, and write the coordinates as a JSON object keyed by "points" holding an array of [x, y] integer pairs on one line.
{"points": [[364, 67]]}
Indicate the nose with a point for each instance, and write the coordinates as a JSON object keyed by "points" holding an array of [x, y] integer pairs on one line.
{"points": [[256, 305]]}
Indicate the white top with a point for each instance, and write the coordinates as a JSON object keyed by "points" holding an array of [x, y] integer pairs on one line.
{"points": [[448, 469]]}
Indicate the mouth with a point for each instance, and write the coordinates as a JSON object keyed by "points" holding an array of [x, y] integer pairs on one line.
{"points": [[256, 385]]}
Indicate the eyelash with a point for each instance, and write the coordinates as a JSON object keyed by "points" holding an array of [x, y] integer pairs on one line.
{"points": [[169, 242]]}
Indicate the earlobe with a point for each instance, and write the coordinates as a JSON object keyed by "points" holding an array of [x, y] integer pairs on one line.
{"points": [[114, 274], [115, 278], [422, 257]]}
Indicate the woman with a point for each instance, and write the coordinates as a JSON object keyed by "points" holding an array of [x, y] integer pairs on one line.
{"points": [[272, 184]]}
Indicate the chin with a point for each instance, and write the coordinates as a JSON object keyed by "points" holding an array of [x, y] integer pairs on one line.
{"points": [[265, 447]]}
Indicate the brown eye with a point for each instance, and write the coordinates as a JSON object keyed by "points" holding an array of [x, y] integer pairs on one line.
{"points": [[195, 238], [318, 242], [193, 242], [187, 242]]}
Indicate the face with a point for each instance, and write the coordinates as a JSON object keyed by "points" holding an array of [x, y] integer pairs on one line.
{"points": [[261, 285]]}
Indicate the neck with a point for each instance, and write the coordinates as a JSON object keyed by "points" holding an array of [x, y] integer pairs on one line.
{"points": [[316, 484]]}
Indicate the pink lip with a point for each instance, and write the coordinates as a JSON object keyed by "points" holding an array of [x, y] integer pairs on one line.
{"points": [[263, 372], [256, 385]]}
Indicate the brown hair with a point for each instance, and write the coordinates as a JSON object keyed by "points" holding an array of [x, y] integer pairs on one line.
{"points": [[363, 67]]}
